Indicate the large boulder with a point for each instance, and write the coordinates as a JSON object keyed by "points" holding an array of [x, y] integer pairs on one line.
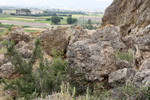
{"points": [[7, 71], [54, 39], [94, 60], [128, 14], [142, 77], [24, 49], [18, 34], [112, 34]]}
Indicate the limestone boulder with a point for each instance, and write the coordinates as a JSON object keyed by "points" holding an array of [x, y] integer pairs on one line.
{"points": [[142, 77], [7, 70], [120, 76], [54, 39], [95, 60], [18, 34], [78, 35], [24, 49], [112, 34], [3, 59]]}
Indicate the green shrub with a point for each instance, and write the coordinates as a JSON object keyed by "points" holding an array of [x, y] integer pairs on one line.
{"points": [[128, 56], [44, 80]]}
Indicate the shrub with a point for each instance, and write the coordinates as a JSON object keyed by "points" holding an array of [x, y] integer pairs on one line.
{"points": [[44, 80], [128, 56], [48, 19]]}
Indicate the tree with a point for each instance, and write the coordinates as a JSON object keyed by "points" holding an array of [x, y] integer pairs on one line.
{"points": [[71, 20], [1, 11], [55, 19], [89, 21], [74, 20]]}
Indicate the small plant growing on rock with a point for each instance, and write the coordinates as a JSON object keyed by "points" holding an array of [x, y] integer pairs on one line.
{"points": [[128, 56]]}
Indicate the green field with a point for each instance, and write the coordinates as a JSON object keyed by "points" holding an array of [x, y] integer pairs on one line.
{"points": [[82, 19], [41, 19]]}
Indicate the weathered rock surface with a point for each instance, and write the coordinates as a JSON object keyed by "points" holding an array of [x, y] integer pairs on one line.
{"points": [[55, 39], [121, 75], [7, 70], [24, 49], [18, 34], [142, 77], [141, 46], [121, 64], [128, 14], [78, 35], [3, 59], [94, 59], [111, 34]]}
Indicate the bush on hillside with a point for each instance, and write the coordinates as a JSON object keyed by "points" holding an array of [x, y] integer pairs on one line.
{"points": [[45, 79]]}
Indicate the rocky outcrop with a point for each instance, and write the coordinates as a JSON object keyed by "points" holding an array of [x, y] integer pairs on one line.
{"points": [[94, 59], [24, 49], [112, 34], [78, 35], [142, 77], [18, 34], [121, 76], [128, 14], [3, 59], [141, 46], [55, 39], [7, 70], [121, 64]]}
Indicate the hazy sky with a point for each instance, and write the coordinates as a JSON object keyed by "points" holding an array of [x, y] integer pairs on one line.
{"points": [[81, 4]]}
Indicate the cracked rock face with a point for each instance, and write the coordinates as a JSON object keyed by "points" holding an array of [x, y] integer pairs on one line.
{"points": [[55, 39], [18, 34], [92, 57], [111, 34], [141, 46], [128, 14], [78, 35], [142, 77], [7, 70], [24, 49]]}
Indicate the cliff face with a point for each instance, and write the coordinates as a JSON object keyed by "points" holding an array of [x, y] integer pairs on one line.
{"points": [[128, 14]]}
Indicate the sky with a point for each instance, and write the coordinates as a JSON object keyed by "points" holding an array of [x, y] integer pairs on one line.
{"points": [[74, 4]]}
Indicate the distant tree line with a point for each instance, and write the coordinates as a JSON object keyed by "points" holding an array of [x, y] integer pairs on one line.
{"points": [[64, 12], [23, 12]]}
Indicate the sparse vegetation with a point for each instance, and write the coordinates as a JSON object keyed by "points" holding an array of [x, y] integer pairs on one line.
{"points": [[128, 56], [44, 80]]}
